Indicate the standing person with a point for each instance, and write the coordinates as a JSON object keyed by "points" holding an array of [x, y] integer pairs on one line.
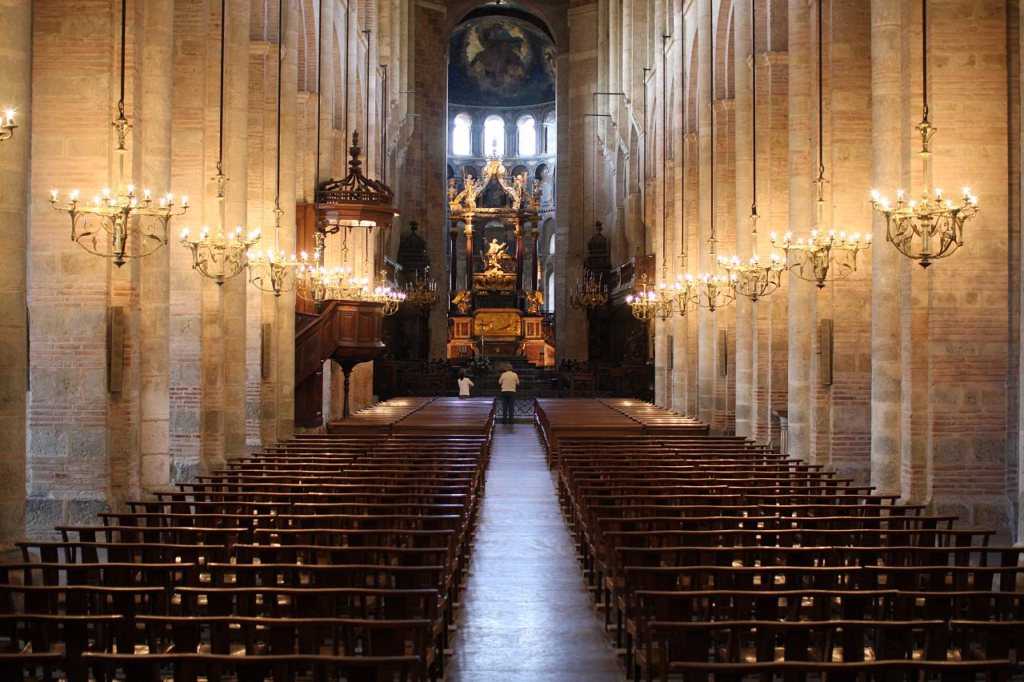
{"points": [[509, 382], [465, 383]]}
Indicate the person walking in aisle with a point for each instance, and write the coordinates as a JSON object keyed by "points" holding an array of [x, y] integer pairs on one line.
{"points": [[509, 382], [465, 383]]}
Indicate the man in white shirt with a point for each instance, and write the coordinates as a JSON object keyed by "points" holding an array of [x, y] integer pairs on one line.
{"points": [[509, 382]]}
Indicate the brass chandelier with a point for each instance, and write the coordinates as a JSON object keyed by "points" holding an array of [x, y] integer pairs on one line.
{"points": [[271, 270], [825, 252], [753, 279], [710, 290], [666, 296], [589, 292], [118, 224], [646, 303], [422, 291], [7, 125], [930, 227], [220, 255]]}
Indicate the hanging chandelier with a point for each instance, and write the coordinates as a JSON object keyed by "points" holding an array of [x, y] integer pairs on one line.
{"points": [[644, 303], [590, 292], [930, 227], [710, 290], [753, 279], [422, 291], [665, 300], [825, 252], [218, 255], [714, 291], [270, 270], [117, 224], [7, 125]]}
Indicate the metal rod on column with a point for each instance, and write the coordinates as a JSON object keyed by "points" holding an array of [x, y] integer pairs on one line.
{"points": [[469, 253]]}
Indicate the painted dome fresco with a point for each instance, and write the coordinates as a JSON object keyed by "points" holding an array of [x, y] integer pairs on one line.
{"points": [[500, 62]]}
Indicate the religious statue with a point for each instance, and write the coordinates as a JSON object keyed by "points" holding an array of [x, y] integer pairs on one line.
{"points": [[463, 300], [495, 255], [534, 302]]}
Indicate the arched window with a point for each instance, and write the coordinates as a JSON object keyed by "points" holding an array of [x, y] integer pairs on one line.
{"points": [[551, 293], [462, 142], [549, 132], [527, 127], [494, 136], [551, 246]]}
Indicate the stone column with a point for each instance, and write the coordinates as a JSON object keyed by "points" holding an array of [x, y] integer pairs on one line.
{"points": [[154, 280], [887, 128], [285, 305], [576, 79], [236, 163], [745, 309], [325, 91], [706, 323], [15, 86], [801, 293]]}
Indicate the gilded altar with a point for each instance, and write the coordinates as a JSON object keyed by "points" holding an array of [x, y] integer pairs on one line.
{"points": [[498, 323]]}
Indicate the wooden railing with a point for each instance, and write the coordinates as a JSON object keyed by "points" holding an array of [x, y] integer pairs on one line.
{"points": [[348, 332]]}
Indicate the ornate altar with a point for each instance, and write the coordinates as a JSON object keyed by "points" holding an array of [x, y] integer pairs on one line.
{"points": [[495, 310]]}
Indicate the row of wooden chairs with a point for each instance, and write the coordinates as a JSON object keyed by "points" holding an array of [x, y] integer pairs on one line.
{"points": [[329, 556], [714, 558]]}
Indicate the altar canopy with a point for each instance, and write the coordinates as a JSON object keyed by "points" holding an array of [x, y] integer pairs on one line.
{"points": [[496, 311]]}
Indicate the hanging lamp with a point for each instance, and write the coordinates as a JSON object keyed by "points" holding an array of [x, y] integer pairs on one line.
{"points": [[643, 303], [930, 227], [270, 270], [825, 252], [711, 290], [119, 224], [754, 279], [665, 294], [222, 255]]}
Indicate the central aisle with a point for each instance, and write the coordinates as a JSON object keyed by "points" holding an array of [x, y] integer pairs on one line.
{"points": [[525, 613]]}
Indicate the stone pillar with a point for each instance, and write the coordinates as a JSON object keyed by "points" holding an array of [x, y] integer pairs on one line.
{"points": [[707, 331], [887, 128], [236, 163], [154, 138], [576, 78], [284, 327], [15, 86], [745, 309], [325, 91], [801, 293]]}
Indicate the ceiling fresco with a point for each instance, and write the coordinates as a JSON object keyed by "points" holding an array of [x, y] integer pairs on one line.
{"points": [[500, 62]]}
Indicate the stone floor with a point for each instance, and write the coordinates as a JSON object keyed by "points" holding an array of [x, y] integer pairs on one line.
{"points": [[525, 613]]}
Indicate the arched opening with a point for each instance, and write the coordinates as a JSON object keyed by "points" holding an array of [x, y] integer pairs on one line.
{"points": [[526, 127], [550, 133], [494, 136], [462, 136]]}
